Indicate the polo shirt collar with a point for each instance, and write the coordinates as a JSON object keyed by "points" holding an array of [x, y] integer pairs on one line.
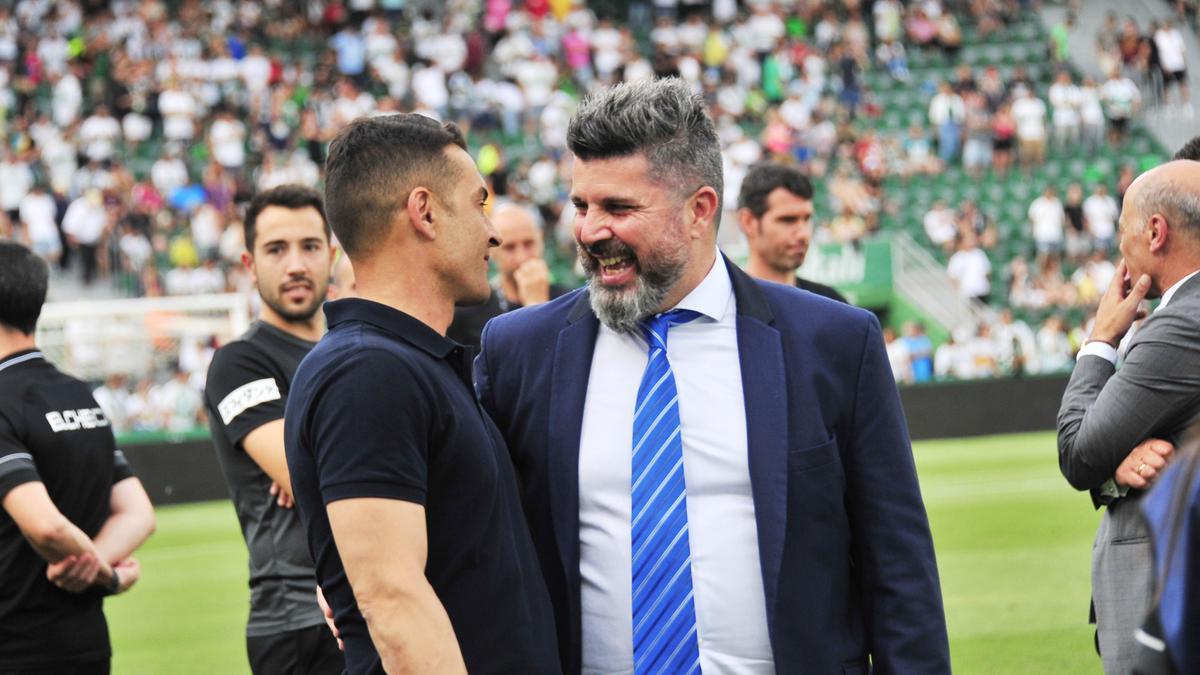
{"points": [[20, 357], [391, 320]]}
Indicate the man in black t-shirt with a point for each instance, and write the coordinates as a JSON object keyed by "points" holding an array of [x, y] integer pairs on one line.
{"points": [[524, 278], [289, 258], [775, 212], [72, 511], [404, 485]]}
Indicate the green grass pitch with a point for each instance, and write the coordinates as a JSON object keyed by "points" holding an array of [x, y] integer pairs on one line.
{"points": [[1013, 543]]}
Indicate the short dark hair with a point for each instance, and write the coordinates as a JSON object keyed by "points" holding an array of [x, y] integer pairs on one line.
{"points": [[24, 278], [374, 164], [662, 118], [763, 179], [293, 197], [1190, 150]]}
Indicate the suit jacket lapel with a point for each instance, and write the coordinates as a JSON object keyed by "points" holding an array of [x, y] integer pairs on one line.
{"points": [[764, 387], [568, 392]]}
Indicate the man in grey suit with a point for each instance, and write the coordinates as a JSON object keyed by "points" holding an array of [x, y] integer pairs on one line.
{"points": [[1147, 403]]}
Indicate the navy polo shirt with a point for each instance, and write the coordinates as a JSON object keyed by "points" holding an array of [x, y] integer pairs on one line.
{"points": [[383, 407]]}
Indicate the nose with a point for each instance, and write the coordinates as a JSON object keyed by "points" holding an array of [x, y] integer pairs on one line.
{"points": [[494, 238], [296, 264], [590, 229]]}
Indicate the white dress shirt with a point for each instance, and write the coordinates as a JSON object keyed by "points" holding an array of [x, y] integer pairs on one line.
{"points": [[727, 579], [1106, 351]]}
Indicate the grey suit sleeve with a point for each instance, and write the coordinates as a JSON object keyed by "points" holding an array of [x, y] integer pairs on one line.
{"points": [[1105, 415]]}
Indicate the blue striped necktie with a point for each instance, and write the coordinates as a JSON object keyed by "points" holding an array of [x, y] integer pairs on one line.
{"points": [[664, 613]]}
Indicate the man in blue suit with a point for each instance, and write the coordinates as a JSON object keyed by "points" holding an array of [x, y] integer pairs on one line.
{"points": [[716, 470]]}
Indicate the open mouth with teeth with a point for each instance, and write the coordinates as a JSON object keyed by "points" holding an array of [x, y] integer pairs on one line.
{"points": [[616, 270]]}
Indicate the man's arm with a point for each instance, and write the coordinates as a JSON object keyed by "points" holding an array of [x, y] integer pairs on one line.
{"points": [[893, 547], [383, 547], [54, 537], [265, 447], [129, 524]]}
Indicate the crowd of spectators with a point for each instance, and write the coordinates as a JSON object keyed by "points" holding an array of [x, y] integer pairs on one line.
{"points": [[136, 130]]}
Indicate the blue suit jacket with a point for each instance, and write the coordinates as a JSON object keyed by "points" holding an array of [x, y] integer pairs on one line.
{"points": [[847, 559]]}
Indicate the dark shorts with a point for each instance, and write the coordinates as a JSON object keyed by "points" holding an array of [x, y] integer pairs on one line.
{"points": [[89, 668], [308, 651]]}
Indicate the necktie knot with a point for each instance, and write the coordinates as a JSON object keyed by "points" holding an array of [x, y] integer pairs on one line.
{"points": [[655, 328]]}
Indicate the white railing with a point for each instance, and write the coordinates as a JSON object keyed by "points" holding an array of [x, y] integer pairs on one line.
{"points": [[922, 281]]}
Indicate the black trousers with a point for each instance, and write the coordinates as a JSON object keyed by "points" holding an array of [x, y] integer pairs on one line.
{"points": [[90, 668], [308, 651]]}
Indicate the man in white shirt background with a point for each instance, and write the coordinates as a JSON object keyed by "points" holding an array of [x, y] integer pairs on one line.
{"points": [[1048, 220]]}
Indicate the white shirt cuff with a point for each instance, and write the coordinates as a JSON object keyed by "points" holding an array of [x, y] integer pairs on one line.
{"points": [[1101, 349]]}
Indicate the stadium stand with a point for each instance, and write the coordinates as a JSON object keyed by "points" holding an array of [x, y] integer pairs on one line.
{"points": [[135, 130]]}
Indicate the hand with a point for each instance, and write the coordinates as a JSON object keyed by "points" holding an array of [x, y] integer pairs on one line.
{"points": [[128, 572], [74, 573], [282, 497], [1144, 464], [1119, 307], [328, 612], [533, 282]]}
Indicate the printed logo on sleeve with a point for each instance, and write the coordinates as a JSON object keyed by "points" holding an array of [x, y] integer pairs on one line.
{"points": [[247, 396], [74, 420]]}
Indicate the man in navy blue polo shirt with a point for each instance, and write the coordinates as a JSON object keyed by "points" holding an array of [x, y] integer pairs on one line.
{"points": [[402, 482]]}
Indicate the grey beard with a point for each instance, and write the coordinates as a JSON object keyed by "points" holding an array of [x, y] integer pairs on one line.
{"points": [[623, 310]]}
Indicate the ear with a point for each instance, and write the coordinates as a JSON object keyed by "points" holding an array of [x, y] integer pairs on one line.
{"points": [[420, 212], [248, 263], [703, 207], [1159, 232], [747, 222]]}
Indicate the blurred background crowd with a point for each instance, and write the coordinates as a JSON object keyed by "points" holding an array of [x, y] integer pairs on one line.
{"points": [[134, 132]]}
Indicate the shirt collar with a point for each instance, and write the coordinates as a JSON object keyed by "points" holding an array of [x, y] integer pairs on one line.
{"points": [[1170, 292], [390, 320], [20, 357], [713, 296]]}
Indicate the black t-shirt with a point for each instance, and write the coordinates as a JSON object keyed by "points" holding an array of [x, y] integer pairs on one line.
{"points": [[383, 407], [820, 289], [53, 431], [247, 387], [467, 327]]}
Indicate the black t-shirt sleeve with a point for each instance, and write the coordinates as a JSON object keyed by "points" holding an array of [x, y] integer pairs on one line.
{"points": [[16, 462], [243, 391], [121, 468], [371, 429]]}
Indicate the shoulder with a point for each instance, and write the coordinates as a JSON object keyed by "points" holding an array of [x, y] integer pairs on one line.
{"points": [[798, 308], [527, 322]]}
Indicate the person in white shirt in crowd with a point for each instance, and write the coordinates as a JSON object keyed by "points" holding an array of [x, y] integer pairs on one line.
{"points": [[951, 360], [113, 399], [227, 139], [939, 226], [16, 179], [1172, 60], [1015, 342], [1121, 100], [1100, 212], [67, 99], [946, 114], [178, 109], [984, 353], [1091, 115], [1029, 111], [1065, 101], [176, 404], [169, 172], [970, 269], [898, 356], [38, 213], [86, 223], [99, 134], [1048, 221], [1054, 354]]}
